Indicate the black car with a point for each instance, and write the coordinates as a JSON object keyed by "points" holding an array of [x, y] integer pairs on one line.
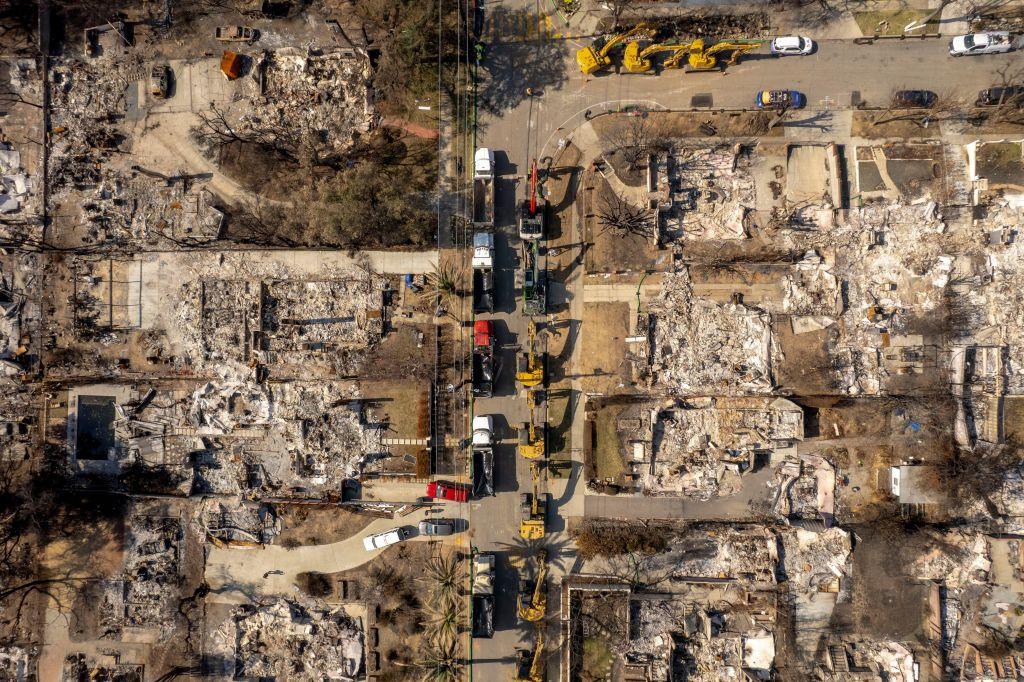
{"points": [[1001, 95], [914, 99]]}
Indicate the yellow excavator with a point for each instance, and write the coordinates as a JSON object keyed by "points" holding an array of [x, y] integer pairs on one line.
{"points": [[530, 664], [531, 436], [592, 58], [533, 599], [533, 508], [698, 55], [531, 368]]}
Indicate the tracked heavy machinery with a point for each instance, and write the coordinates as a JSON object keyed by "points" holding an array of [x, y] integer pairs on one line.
{"points": [[595, 57], [695, 55], [533, 597], [531, 436], [530, 371], [530, 664], [533, 507]]}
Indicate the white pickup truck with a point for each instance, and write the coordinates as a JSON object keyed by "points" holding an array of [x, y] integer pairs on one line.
{"points": [[381, 540], [993, 42]]}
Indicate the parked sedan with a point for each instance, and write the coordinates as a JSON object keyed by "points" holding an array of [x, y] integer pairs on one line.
{"points": [[1001, 95], [993, 42], [437, 527], [791, 45], [914, 99], [780, 99]]}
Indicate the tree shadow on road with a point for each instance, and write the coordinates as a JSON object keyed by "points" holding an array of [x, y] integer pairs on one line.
{"points": [[517, 62]]}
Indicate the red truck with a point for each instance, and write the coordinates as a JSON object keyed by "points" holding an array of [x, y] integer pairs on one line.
{"points": [[484, 368], [456, 492]]}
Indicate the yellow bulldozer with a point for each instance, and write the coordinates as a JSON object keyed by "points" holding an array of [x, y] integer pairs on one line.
{"points": [[695, 55], [595, 57]]}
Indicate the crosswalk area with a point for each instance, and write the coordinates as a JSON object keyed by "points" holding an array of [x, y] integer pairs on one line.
{"points": [[503, 27]]}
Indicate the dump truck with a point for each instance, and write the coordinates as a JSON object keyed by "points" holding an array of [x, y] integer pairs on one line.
{"points": [[483, 290], [484, 369], [484, 189], [483, 272], [483, 595], [483, 471]]}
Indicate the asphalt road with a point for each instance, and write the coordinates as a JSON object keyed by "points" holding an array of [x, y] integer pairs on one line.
{"points": [[495, 520], [837, 75]]}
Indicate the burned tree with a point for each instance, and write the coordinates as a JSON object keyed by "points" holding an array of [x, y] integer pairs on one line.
{"points": [[625, 219], [634, 138], [215, 132]]}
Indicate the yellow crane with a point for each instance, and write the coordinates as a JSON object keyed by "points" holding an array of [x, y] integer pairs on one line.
{"points": [[531, 369], [533, 603], [592, 59], [533, 508], [698, 55], [531, 437], [529, 664]]}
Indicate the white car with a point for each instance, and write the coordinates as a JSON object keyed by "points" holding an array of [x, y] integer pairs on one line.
{"points": [[784, 45], [981, 43], [385, 539]]}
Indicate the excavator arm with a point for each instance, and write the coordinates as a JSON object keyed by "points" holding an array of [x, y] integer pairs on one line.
{"points": [[531, 664], [535, 609], [703, 58], [592, 59], [635, 60]]}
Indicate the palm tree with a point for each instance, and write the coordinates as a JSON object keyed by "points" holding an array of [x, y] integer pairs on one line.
{"points": [[446, 576], [441, 663], [444, 282], [444, 618]]}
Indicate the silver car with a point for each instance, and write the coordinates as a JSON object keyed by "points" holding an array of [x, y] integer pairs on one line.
{"points": [[437, 527]]}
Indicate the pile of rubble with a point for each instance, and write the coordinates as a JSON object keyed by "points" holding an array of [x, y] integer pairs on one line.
{"points": [[152, 572], [816, 562], [705, 193], [242, 524], [292, 435], [14, 663], [737, 552], [86, 100], [703, 347], [292, 639], [872, 659], [273, 317], [701, 448], [320, 99]]}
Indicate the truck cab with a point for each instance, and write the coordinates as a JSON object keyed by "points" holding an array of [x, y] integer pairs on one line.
{"points": [[531, 225], [483, 430], [483, 250], [483, 163]]}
